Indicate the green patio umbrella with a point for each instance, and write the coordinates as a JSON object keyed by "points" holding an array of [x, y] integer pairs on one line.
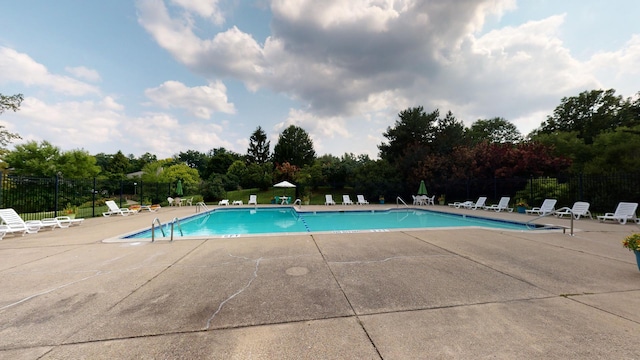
{"points": [[179, 188], [422, 190]]}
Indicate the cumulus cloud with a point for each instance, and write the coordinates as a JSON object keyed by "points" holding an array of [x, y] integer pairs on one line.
{"points": [[84, 73], [338, 55], [16, 67], [200, 101]]}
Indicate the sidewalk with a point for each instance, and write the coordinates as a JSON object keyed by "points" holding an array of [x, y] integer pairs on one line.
{"points": [[463, 294]]}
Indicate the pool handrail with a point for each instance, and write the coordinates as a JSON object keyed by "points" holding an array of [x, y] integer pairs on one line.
{"points": [[553, 213], [398, 204], [202, 205], [153, 232], [173, 222]]}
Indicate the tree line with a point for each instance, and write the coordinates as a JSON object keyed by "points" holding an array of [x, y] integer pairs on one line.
{"points": [[594, 132]]}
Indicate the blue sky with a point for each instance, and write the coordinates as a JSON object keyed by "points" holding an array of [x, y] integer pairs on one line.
{"points": [[164, 76]]}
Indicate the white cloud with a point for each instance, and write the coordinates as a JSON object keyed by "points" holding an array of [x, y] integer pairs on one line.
{"points": [[84, 73], [16, 67], [204, 8], [200, 101]]}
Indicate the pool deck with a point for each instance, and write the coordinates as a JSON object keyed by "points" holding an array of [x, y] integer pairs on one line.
{"points": [[432, 294]]}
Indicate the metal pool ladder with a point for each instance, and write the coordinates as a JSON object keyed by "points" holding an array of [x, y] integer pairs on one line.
{"points": [[201, 205], [173, 222]]}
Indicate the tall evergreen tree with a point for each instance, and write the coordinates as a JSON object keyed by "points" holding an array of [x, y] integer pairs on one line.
{"points": [[258, 151], [295, 147]]}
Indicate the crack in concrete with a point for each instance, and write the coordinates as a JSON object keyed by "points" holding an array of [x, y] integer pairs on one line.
{"points": [[255, 275], [48, 291], [385, 259]]}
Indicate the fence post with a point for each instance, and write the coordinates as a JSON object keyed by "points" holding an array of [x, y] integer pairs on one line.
{"points": [[57, 194], [93, 198]]}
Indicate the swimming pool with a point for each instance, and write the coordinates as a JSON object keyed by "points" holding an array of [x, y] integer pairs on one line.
{"points": [[236, 222]]}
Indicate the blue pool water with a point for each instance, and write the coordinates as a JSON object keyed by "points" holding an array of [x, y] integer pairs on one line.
{"points": [[221, 222]]}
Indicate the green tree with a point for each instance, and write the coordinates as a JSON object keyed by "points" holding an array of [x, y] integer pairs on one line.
{"points": [[237, 171], [589, 114], [219, 161], [495, 130], [137, 164], [414, 129], [294, 147], [260, 176], [154, 172], [615, 151], [258, 151], [8, 103], [33, 159], [118, 166], [189, 177], [78, 164], [193, 159], [448, 134]]}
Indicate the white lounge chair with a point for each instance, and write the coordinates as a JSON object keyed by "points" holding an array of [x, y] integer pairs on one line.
{"points": [[346, 200], [223, 202], [4, 229], [459, 204], [115, 210], [547, 207], [15, 224], [63, 222], [476, 205], [579, 208], [625, 211], [328, 200], [503, 204], [361, 200], [253, 199]]}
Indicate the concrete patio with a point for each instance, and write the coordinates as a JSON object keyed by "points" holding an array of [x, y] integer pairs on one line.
{"points": [[428, 294]]}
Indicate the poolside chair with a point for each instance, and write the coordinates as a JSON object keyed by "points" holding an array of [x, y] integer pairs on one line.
{"points": [[625, 211], [171, 201], [346, 200], [115, 210], [416, 200], [459, 204], [224, 202], [430, 200], [477, 205], [4, 229], [63, 222], [580, 208], [16, 225], [547, 207], [189, 201], [328, 200], [361, 200], [253, 199], [503, 204]]}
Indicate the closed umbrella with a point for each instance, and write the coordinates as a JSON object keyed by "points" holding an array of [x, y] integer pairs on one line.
{"points": [[422, 190], [179, 188]]}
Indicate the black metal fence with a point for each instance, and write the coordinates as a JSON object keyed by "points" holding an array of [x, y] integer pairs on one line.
{"points": [[603, 192], [35, 198]]}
